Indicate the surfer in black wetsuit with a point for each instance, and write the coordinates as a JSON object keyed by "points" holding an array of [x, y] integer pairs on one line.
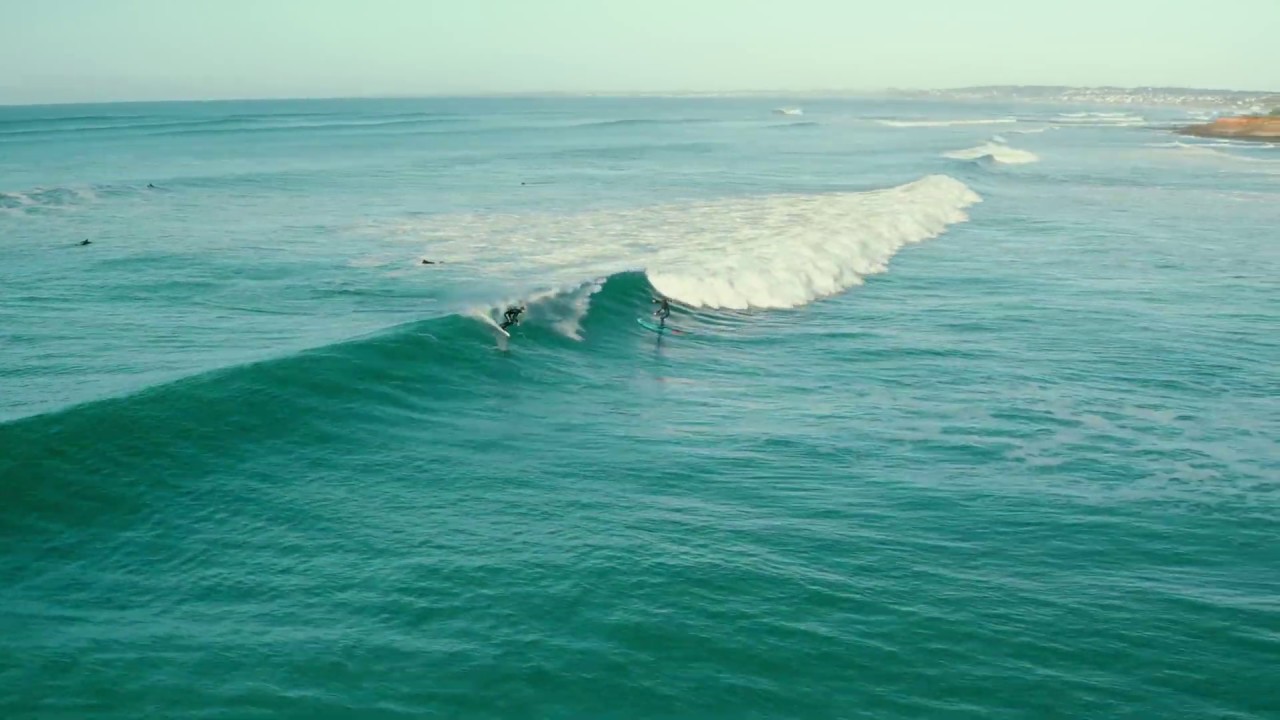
{"points": [[663, 312], [85, 242], [511, 317]]}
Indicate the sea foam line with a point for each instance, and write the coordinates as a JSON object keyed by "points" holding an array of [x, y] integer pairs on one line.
{"points": [[946, 123]]}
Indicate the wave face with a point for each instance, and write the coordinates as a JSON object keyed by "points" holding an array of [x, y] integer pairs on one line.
{"points": [[259, 460], [996, 152]]}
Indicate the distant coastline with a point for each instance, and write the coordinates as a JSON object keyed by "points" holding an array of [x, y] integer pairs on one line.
{"points": [[1245, 101], [1249, 127]]}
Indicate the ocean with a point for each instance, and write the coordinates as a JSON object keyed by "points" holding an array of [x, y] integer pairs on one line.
{"points": [[975, 411]]}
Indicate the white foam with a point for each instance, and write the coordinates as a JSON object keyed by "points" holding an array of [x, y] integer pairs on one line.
{"points": [[788, 251], [751, 252], [561, 308], [946, 123], [571, 307], [997, 152]]}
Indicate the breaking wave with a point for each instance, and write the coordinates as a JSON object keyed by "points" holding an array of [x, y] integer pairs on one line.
{"points": [[584, 276], [776, 251], [996, 152], [45, 199]]}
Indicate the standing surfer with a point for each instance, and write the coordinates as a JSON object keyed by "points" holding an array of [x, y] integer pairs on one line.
{"points": [[511, 316], [663, 312]]}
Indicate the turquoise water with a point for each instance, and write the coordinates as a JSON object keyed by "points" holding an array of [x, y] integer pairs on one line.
{"points": [[976, 416]]}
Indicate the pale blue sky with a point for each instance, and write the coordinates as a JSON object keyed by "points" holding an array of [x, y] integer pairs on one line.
{"points": [[89, 50]]}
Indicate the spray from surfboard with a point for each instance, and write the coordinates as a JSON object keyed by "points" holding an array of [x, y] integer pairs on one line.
{"points": [[485, 318]]}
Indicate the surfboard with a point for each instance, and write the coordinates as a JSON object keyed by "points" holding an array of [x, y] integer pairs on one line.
{"points": [[646, 324]]}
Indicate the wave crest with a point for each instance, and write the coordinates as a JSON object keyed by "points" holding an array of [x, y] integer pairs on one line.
{"points": [[773, 251], [996, 152], [789, 251]]}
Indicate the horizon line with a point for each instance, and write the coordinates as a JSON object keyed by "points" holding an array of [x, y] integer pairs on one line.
{"points": [[764, 93]]}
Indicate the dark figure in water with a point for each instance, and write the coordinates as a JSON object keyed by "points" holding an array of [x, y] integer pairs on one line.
{"points": [[511, 317], [85, 242], [663, 312], [153, 187], [428, 262]]}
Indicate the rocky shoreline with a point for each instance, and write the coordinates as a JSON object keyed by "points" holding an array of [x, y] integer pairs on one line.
{"points": [[1263, 128]]}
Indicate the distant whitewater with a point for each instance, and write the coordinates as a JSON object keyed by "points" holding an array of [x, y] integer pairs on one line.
{"points": [[1101, 119], [995, 152], [45, 199], [947, 123]]}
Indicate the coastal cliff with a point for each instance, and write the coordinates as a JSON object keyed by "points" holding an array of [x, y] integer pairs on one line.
{"points": [[1238, 128]]}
